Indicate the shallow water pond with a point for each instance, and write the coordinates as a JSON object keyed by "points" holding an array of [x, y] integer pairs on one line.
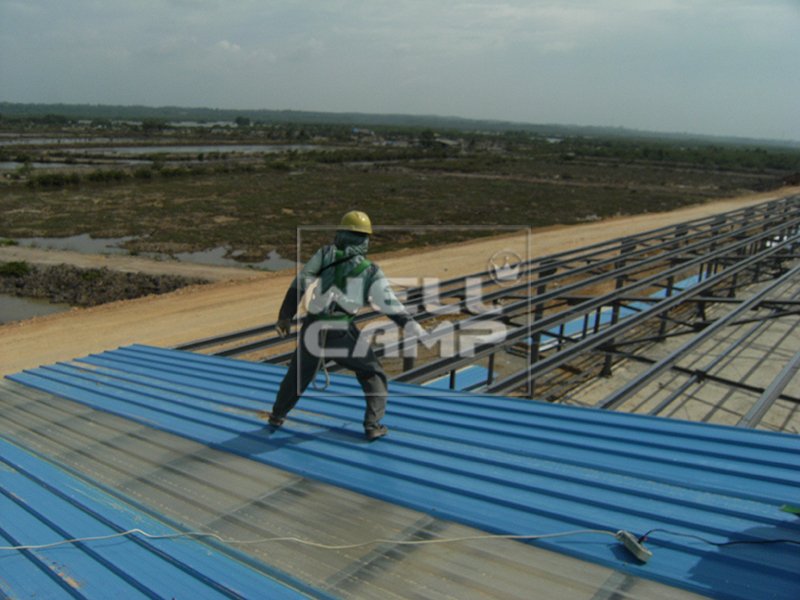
{"points": [[14, 308]]}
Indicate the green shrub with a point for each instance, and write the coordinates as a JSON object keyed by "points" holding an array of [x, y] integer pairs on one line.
{"points": [[174, 171], [108, 175], [54, 180], [143, 173], [91, 274], [14, 269], [279, 165]]}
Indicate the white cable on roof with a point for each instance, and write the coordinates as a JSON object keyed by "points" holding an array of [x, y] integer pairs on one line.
{"points": [[296, 540], [452, 540]]}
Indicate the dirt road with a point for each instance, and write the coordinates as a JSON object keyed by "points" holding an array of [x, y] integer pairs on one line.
{"points": [[225, 306]]}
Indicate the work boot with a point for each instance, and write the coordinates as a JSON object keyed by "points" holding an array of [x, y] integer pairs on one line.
{"points": [[275, 421], [376, 432]]}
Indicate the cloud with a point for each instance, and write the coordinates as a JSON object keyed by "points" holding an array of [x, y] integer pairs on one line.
{"points": [[228, 47], [663, 64]]}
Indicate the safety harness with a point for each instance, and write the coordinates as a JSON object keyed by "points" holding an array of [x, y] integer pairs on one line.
{"points": [[339, 280]]}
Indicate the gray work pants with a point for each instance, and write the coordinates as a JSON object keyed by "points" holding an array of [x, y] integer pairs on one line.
{"points": [[303, 367]]}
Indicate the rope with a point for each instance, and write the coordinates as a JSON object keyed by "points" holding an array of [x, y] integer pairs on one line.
{"points": [[200, 534]]}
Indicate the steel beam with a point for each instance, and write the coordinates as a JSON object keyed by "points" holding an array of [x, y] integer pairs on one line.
{"points": [[626, 391], [423, 372], [771, 394]]}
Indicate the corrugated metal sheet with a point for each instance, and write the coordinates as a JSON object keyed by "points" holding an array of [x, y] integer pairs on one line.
{"points": [[464, 379], [41, 504], [502, 465], [194, 487]]}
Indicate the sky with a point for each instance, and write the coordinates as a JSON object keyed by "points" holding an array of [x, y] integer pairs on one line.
{"points": [[718, 67]]}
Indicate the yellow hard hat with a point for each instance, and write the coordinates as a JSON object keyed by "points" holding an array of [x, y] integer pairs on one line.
{"points": [[357, 221]]}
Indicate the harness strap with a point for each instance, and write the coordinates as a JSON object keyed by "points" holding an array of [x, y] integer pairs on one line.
{"points": [[340, 277]]}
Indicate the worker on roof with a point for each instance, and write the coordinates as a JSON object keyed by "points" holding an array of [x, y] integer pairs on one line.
{"points": [[346, 281]]}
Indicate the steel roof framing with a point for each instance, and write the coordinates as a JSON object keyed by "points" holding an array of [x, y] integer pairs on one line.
{"points": [[554, 273], [458, 286], [586, 307], [726, 253], [619, 396]]}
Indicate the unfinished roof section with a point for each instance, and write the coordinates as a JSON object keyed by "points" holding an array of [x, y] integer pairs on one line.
{"points": [[452, 460], [618, 308], [737, 365]]}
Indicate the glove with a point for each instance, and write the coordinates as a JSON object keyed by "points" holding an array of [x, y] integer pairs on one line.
{"points": [[283, 326]]}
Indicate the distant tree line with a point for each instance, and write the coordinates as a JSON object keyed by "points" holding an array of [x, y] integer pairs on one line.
{"points": [[698, 155], [100, 112], [363, 134]]}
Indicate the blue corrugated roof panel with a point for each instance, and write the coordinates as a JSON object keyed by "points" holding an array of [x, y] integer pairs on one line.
{"points": [[504, 465], [465, 379], [604, 317], [41, 504]]}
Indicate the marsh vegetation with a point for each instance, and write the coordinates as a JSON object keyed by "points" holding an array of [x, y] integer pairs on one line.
{"points": [[253, 202]]}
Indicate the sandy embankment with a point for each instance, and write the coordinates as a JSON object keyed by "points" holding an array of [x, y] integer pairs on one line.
{"points": [[242, 298]]}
